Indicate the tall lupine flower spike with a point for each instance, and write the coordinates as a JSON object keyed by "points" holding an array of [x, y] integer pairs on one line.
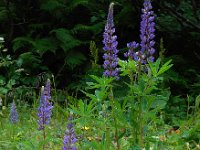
{"points": [[70, 137], [13, 113], [45, 108], [147, 29], [110, 47], [47, 89]]}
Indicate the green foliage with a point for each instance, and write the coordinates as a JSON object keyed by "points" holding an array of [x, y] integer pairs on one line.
{"points": [[94, 54], [66, 40], [155, 67]]}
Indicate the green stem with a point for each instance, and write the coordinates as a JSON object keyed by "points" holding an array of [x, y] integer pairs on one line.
{"points": [[54, 84], [141, 136], [114, 117], [44, 138]]}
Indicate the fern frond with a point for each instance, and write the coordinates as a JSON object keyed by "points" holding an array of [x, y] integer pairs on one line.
{"points": [[43, 45], [96, 28], [37, 26], [75, 3], [67, 41], [51, 5], [21, 41], [29, 58], [3, 14], [74, 59]]}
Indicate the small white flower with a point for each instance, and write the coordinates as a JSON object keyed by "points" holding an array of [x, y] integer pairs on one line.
{"points": [[1, 39], [5, 50]]}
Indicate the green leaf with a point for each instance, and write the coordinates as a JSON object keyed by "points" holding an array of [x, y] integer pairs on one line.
{"points": [[50, 5], [67, 41], [96, 28], [197, 102], [154, 66], [21, 42], [44, 45], [30, 59], [127, 67], [165, 67], [3, 14], [74, 59], [74, 3]]}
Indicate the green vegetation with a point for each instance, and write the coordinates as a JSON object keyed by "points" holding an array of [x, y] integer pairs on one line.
{"points": [[153, 106]]}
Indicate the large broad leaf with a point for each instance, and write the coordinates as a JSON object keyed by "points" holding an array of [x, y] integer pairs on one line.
{"points": [[67, 41]]}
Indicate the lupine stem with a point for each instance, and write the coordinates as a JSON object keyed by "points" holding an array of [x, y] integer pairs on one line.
{"points": [[44, 134], [114, 117]]}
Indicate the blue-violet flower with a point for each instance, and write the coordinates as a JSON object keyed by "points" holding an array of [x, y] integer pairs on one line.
{"points": [[70, 137], [13, 113], [45, 108], [147, 29], [110, 47]]}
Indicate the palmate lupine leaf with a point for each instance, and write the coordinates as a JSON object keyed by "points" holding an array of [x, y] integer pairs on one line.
{"points": [[165, 67], [157, 70]]}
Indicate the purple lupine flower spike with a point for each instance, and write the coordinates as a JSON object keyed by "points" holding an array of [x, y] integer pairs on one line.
{"points": [[147, 29], [44, 110], [47, 89], [110, 47], [70, 137], [13, 113]]}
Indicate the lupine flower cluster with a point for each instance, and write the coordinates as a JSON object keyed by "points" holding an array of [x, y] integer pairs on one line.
{"points": [[110, 47], [70, 137], [131, 52], [45, 108], [147, 29], [13, 113]]}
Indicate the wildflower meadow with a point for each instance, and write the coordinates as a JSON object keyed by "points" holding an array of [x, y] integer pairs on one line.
{"points": [[124, 101]]}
